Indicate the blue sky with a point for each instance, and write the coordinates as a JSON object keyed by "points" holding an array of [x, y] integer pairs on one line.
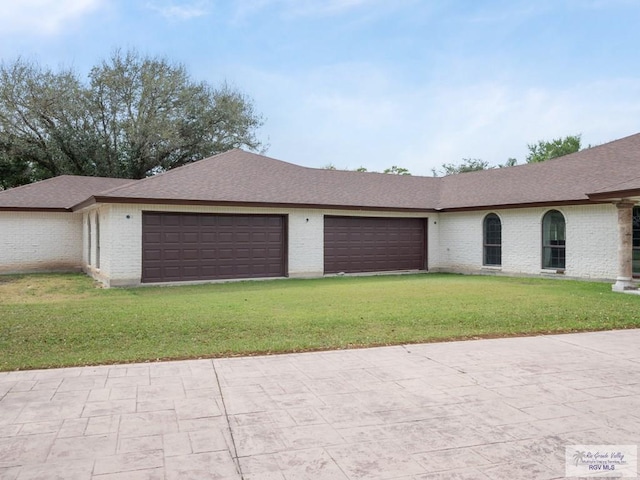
{"points": [[374, 83]]}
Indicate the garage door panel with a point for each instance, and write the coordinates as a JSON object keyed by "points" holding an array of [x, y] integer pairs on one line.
{"points": [[172, 271], [225, 271], [152, 237], [374, 244], [153, 219], [179, 246], [190, 221], [169, 221], [169, 255], [243, 237], [209, 254], [225, 254], [209, 271], [190, 237], [191, 271], [171, 237], [190, 255]]}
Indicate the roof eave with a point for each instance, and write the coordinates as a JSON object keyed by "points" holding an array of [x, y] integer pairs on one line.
{"points": [[616, 195], [84, 204], [36, 209], [227, 203], [504, 206]]}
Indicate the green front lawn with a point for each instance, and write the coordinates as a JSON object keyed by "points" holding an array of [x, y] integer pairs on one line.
{"points": [[62, 320]]}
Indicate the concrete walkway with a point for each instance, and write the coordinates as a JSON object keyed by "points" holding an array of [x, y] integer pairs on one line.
{"points": [[499, 409]]}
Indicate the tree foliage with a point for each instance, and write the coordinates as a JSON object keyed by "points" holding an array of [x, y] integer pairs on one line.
{"points": [[546, 150], [467, 165], [511, 162], [538, 152], [135, 116], [395, 170]]}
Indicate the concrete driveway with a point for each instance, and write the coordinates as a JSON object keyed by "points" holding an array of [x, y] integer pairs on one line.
{"points": [[499, 409]]}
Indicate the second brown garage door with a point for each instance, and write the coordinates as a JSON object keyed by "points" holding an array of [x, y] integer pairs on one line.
{"points": [[185, 247], [374, 244]]}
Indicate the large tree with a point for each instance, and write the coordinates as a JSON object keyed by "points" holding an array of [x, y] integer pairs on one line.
{"points": [[135, 116]]}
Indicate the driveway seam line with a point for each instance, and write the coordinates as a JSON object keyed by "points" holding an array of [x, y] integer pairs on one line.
{"points": [[234, 453], [585, 347]]}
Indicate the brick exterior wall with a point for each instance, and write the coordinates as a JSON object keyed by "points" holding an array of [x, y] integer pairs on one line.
{"points": [[35, 241], [591, 242], [40, 242]]}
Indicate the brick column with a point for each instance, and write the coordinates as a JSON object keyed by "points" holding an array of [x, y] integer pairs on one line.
{"points": [[624, 281]]}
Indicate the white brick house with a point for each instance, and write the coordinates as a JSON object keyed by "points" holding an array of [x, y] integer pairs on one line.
{"points": [[241, 215]]}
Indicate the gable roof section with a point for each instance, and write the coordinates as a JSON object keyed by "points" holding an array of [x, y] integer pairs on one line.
{"points": [[566, 180], [56, 194], [242, 178]]}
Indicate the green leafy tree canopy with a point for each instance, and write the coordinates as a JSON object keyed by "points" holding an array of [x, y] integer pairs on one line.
{"points": [[538, 152], [546, 150], [467, 165], [395, 170], [135, 116]]}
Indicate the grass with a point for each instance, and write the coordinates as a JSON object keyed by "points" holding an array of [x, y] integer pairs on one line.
{"points": [[63, 320]]}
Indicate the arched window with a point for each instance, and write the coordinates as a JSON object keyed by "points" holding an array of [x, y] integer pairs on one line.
{"points": [[553, 240], [636, 241], [492, 240]]}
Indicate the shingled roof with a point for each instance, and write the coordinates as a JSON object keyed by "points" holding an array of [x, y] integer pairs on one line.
{"points": [[239, 177], [56, 194], [614, 166], [242, 178]]}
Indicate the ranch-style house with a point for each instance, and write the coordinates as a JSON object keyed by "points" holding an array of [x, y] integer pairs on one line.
{"points": [[239, 215]]}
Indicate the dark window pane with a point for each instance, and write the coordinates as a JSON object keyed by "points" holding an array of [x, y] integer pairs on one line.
{"points": [[492, 255], [492, 241], [553, 240]]}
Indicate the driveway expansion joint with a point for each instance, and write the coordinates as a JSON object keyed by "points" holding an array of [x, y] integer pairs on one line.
{"points": [[234, 453]]}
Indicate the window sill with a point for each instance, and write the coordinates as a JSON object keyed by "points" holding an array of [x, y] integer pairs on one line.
{"points": [[493, 268], [552, 271]]}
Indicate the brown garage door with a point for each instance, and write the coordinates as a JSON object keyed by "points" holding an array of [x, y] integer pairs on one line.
{"points": [[184, 246], [372, 244]]}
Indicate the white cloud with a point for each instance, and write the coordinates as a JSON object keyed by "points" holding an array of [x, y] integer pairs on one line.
{"points": [[496, 121], [42, 16], [181, 10], [355, 115]]}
